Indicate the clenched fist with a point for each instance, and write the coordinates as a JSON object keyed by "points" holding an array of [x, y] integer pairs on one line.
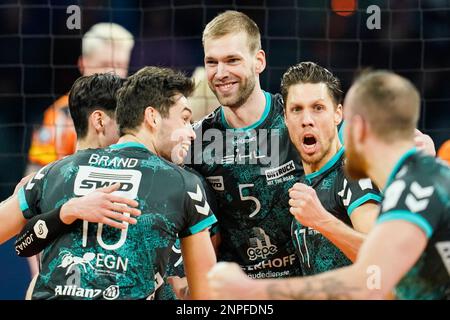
{"points": [[306, 207], [227, 281]]}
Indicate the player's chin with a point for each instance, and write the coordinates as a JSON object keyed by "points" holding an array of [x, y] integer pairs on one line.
{"points": [[228, 99], [310, 157]]}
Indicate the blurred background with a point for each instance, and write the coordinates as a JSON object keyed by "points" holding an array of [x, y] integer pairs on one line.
{"points": [[38, 59]]}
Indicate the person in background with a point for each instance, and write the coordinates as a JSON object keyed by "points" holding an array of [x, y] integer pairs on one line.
{"points": [[106, 47], [159, 109], [203, 100]]}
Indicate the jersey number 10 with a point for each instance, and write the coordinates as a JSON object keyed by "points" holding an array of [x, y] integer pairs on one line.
{"points": [[117, 245]]}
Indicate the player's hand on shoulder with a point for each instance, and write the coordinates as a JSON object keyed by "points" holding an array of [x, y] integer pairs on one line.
{"points": [[306, 207], [101, 206]]}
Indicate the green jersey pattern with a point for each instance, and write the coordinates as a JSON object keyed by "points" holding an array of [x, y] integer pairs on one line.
{"points": [[418, 191], [176, 267], [251, 170], [338, 196], [95, 261]]}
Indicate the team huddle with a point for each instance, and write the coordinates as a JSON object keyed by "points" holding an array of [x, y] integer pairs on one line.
{"points": [[271, 196]]}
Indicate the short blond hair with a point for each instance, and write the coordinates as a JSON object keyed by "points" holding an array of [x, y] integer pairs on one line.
{"points": [[104, 32], [389, 102], [233, 22]]}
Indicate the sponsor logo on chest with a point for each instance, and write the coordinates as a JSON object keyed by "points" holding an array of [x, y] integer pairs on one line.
{"points": [[216, 182], [280, 174], [110, 293]]}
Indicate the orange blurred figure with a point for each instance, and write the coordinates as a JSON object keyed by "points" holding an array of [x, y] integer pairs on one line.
{"points": [[106, 47], [444, 151], [344, 7], [56, 137]]}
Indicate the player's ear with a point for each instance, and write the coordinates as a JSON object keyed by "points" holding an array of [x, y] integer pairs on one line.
{"points": [[338, 114], [260, 61], [97, 119], [151, 117]]}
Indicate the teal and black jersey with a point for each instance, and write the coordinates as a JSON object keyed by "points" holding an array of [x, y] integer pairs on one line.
{"points": [[251, 170], [418, 191], [176, 267], [338, 196], [95, 261]]}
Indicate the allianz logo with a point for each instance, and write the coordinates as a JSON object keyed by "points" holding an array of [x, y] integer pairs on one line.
{"points": [[110, 293]]}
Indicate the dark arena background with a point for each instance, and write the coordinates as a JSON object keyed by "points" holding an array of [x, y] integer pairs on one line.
{"points": [[38, 59]]}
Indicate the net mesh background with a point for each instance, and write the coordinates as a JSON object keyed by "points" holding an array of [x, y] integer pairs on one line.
{"points": [[39, 53]]}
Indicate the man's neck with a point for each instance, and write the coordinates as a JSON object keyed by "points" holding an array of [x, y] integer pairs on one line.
{"points": [[139, 137], [383, 158], [87, 143], [248, 113], [313, 167]]}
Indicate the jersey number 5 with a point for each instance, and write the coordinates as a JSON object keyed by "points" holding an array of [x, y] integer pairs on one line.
{"points": [[250, 198]]}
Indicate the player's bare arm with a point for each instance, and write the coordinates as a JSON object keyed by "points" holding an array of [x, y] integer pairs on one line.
{"points": [[100, 206], [15, 221], [199, 258], [307, 209], [216, 240], [388, 263], [11, 219], [179, 284]]}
